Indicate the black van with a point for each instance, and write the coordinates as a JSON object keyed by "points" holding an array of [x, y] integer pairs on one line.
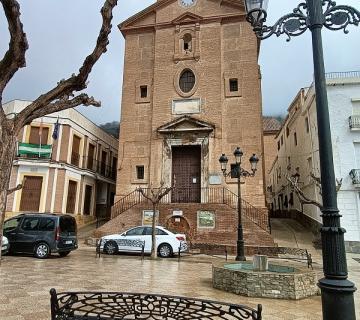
{"points": [[41, 234]]}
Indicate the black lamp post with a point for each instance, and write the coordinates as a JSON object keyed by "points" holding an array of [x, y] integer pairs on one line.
{"points": [[238, 172], [337, 291]]}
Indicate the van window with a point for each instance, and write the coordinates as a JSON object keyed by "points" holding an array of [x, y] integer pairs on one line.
{"points": [[11, 224], [67, 224], [30, 224], [47, 224]]}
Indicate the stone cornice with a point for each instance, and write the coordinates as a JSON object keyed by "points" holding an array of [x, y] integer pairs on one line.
{"points": [[204, 20]]}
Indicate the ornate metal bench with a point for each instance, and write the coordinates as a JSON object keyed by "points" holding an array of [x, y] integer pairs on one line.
{"points": [[121, 242], [116, 306]]}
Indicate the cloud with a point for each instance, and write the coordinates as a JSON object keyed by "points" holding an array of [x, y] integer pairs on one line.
{"points": [[62, 33]]}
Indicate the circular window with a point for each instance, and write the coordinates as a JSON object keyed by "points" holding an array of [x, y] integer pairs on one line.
{"points": [[187, 81]]}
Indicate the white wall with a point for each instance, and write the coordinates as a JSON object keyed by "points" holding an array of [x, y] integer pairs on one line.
{"points": [[341, 108]]}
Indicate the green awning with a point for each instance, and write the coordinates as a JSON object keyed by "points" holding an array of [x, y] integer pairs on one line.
{"points": [[43, 151]]}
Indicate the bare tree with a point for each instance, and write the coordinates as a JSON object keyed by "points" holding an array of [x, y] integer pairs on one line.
{"points": [[303, 198], [61, 97], [155, 195]]}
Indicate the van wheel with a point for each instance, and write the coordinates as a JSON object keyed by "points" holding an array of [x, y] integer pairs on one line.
{"points": [[64, 254], [42, 250], [111, 247], [165, 250]]}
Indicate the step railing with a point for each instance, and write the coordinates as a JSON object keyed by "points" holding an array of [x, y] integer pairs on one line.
{"points": [[190, 195]]}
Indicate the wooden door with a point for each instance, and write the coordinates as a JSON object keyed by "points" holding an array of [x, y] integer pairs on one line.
{"points": [[34, 137], [186, 174], [75, 153], [103, 162], [91, 153], [31, 194], [71, 198], [87, 200]]}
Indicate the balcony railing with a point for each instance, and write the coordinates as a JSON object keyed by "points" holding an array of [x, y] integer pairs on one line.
{"points": [[340, 75], [355, 176], [34, 151], [99, 167], [354, 122]]}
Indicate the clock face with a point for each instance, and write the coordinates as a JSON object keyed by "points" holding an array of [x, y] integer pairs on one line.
{"points": [[187, 3]]}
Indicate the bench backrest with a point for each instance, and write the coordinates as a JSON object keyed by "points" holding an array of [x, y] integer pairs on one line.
{"points": [[87, 305]]}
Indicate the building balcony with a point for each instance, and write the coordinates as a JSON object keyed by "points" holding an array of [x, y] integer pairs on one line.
{"points": [[355, 176], [100, 167], [34, 151], [354, 123]]}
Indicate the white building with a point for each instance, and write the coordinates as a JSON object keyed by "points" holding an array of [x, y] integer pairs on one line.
{"points": [[72, 172], [298, 152]]}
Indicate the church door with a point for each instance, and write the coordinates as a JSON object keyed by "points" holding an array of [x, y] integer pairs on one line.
{"points": [[186, 174]]}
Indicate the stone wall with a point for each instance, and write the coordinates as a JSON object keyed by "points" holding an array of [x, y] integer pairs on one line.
{"points": [[224, 233], [297, 285]]}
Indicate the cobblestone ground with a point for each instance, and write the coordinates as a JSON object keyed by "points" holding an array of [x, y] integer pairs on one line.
{"points": [[25, 283]]}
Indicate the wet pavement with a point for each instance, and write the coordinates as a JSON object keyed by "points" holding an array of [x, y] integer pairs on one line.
{"points": [[25, 282]]}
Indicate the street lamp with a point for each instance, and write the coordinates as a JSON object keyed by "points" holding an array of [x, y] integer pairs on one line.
{"points": [[337, 291], [237, 172]]}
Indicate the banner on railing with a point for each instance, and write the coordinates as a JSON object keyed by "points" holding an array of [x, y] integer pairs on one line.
{"points": [[28, 149]]}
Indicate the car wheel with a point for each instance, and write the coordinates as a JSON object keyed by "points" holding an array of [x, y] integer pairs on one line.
{"points": [[110, 247], [42, 250], [165, 250], [64, 254]]}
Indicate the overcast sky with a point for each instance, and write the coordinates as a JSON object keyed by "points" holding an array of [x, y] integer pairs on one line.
{"points": [[62, 33]]}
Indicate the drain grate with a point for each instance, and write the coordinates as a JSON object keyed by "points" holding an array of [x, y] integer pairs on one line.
{"points": [[357, 259]]}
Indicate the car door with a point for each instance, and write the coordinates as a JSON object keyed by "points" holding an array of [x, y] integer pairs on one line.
{"points": [[160, 235], [28, 234], [10, 230], [135, 234], [147, 239]]}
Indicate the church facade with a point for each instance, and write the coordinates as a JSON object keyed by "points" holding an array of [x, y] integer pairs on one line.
{"points": [[191, 92]]}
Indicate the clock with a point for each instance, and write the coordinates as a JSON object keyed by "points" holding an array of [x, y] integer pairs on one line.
{"points": [[187, 3]]}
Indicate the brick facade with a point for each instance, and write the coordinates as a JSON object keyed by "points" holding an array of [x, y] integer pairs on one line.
{"points": [[223, 234], [223, 48]]}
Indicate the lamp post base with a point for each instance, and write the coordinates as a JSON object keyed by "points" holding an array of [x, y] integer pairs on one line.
{"points": [[337, 299], [240, 256]]}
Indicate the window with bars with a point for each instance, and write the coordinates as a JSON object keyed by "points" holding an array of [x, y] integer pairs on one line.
{"points": [[233, 84], [307, 125], [187, 81], [140, 172], [187, 42], [143, 91]]}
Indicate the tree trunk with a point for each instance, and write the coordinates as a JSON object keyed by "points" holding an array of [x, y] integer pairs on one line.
{"points": [[153, 234], [7, 153]]}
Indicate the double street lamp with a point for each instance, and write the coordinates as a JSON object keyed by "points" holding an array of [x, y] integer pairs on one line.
{"points": [[337, 291], [237, 172]]}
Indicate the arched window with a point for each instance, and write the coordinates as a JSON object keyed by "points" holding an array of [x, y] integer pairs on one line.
{"points": [[187, 40], [187, 81]]}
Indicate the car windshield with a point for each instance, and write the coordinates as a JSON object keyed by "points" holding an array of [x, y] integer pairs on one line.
{"points": [[67, 224]]}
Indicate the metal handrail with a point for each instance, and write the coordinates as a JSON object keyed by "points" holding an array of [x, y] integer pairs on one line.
{"points": [[207, 195]]}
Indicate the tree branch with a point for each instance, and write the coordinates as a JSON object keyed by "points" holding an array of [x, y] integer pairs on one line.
{"points": [[66, 88], [142, 192], [14, 58], [156, 195], [300, 194], [82, 99], [12, 190]]}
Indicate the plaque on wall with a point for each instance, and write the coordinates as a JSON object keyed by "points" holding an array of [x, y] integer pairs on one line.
{"points": [[177, 212], [206, 219], [184, 106], [214, 179], [148, 217]]}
